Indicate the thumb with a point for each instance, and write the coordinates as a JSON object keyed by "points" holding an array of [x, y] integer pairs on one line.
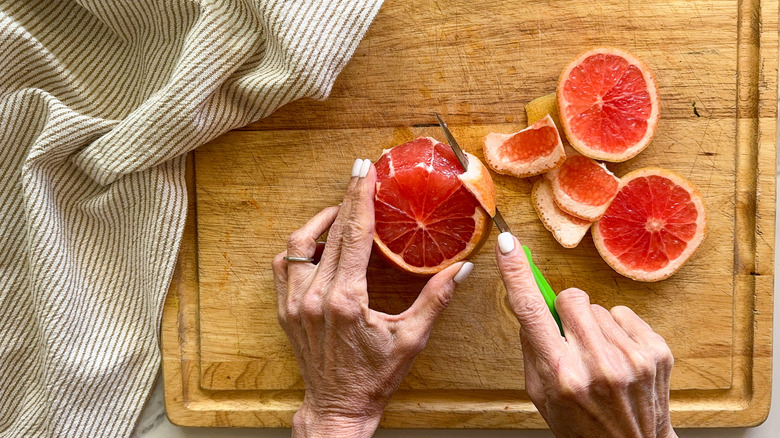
{"points": [[525, 299], [436, 296]]}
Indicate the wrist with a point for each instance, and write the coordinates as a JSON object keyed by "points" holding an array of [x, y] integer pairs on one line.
{"points": [[310, 423]]}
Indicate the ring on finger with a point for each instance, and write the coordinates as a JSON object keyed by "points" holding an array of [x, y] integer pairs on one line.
{"points": [[298, 259]]}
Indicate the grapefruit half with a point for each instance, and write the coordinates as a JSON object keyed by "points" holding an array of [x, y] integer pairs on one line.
{"points": [[653, 226], [608, 104], [583, 187], [565, 228], [534, 150], [430, 213]]}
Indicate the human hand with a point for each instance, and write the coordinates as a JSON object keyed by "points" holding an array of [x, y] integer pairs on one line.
{"points": [[352, 358], [608, 377]]}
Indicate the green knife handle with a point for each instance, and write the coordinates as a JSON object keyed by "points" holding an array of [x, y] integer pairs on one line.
{"points": [[544, 288]]}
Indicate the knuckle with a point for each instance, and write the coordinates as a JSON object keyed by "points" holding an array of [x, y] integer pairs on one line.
{"points": [[643, 365], [621, 311], [412, 344], [441, 301], [281, 317], [335, 229], [516, 275], [599, 310], [356, 232], [571, 387], [528, 310], [296, 240], [292, 312], [613, 373], [311, 307], [278, 263], [663, 354], [572, 297], [341, 307]]}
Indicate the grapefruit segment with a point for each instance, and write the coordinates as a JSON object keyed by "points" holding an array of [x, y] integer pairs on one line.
{"points": [[582, 187], [653, 226], [608, 104], [531, 151], [429, 212], [565, 228]]}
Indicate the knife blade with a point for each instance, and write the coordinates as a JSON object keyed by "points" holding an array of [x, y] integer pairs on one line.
{"points": [[544, 287], [498, 219]]}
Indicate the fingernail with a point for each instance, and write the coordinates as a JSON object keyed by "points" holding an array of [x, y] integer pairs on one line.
{"points": [[364, 168], [464, 273], [506, 242], [356, 167]]}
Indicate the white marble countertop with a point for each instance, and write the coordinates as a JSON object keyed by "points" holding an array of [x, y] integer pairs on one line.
{"points": [[154, 423]]}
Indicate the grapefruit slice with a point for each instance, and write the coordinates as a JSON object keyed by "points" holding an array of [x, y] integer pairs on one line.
{"points": [[608, 104], [534, 150], [582, 187], [654, 225], [430, 213], [565, 228]]}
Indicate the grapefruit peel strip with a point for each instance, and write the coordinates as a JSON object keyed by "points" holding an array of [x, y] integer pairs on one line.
{"points": [[478, 181], [566, 229]]}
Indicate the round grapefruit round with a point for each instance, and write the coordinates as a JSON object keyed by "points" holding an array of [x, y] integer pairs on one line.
{"points": [[430, 213], [608, 104], [652, 227]]}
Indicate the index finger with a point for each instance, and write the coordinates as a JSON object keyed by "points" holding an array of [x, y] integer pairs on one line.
{"points": [[525, 299], [358, 233]]}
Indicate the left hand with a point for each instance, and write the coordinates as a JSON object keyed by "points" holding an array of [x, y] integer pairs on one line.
{"points": [[352, 358]]}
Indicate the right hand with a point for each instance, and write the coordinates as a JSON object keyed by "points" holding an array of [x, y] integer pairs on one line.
{"points": [[608, 377]]}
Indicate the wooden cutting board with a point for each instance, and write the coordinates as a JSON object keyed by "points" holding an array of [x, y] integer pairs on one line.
{"points": [[227, 362]]}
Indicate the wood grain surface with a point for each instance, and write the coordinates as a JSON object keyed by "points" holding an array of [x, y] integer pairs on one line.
{"points": [[227, 362]]}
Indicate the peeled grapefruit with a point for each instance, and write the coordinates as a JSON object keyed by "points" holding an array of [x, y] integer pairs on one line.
{"points": [[583, 187], [565, 228], [534, 150], [653, 226], [608, 104], [430, 213]]}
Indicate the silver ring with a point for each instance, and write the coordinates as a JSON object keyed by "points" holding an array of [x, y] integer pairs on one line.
{"points": [[299, 259]]}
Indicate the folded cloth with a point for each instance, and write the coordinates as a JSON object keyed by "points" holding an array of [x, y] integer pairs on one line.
{"points": [[99, 101]]}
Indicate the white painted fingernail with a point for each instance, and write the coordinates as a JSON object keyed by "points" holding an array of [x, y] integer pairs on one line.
{"points": [[506, 242], [364, 168], [356, 167], [464, 273]]}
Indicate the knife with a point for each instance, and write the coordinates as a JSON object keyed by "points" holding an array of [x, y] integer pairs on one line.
{"points": [[498, 219]]}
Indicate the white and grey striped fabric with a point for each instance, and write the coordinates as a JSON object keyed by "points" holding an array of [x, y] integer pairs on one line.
{"points": [[99, 100]]}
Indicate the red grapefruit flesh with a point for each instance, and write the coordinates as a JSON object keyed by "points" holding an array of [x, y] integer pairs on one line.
{"points": [[429, 211], [608, 104], [653, 226], [534, 150], [565, 228], [582, 187]]}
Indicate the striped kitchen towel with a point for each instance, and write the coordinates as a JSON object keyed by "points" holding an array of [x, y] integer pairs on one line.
{"points": [[99, 102]]}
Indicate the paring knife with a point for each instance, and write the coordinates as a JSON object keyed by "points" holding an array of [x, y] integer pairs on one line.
{"points": [[498, 219]]}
